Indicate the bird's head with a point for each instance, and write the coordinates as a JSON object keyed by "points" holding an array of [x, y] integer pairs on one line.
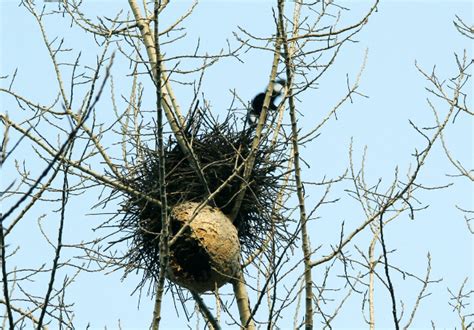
{"points": [[279, 88]]}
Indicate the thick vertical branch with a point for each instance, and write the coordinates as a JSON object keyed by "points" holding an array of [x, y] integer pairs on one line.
{"points": [[240, 290], [243, 303], [250, 161], [299, 185], [6, 294], [169, 103], [165, 223], [64, 199], [205, 311], [387, 274], [372, 264], [149, 43]]}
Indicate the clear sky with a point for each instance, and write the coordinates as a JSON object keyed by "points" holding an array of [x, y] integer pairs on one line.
{"points": [[397, 35]]}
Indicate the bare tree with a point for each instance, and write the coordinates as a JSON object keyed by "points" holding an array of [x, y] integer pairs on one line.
{"points": [[137, 162]]}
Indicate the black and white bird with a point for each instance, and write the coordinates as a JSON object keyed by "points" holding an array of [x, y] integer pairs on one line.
{"points": [[257, 102]]}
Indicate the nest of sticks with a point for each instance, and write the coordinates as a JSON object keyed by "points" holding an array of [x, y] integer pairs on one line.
{"points": [[219, 148]]}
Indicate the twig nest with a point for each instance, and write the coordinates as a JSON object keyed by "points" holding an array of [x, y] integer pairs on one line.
{"points": [[207, 254]]}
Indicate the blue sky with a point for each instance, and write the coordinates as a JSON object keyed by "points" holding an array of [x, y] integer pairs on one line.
{"points": [[397, 35]]}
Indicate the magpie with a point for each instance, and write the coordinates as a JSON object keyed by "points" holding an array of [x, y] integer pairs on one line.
{"points": [[257, 103]]}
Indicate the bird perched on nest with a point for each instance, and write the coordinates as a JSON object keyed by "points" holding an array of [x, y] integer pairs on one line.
{"points": [[257, 102]]}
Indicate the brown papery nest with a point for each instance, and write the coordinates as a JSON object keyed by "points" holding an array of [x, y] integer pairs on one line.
{"points": [[219, 148]]}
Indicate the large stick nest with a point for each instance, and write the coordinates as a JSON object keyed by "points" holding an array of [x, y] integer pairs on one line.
{"points": [[219, 148]]}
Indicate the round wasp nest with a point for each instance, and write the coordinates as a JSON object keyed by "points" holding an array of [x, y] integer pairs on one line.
{"points": [[206, 255]]}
